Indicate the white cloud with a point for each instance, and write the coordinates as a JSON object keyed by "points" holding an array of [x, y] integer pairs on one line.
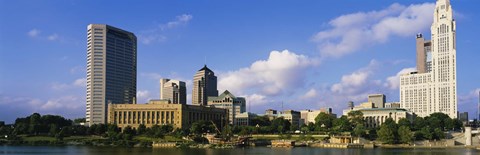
{"points": [[153, 76], [469, 99], [68, 106], [354, 83], [312, 93], [143, 96], [82, 82], [352, 32], [78, 69], [33, 33], [179, 20], [53, 37], [393, 82], [158, 34], [283, 71], [256, 99], [63, 103]]}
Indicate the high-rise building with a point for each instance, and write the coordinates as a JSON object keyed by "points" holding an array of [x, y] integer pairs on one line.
{"points": [[173, 90], [111, 70], [378, 100], [433, 87], [204, 85]]}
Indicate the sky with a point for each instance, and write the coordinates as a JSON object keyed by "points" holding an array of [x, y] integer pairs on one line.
{"points": [[278, 54]]}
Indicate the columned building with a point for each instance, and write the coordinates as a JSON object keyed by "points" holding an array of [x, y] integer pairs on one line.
{"points": [[433, 87], [111, 70], [162, 112], [174, 91], [204, 85]]}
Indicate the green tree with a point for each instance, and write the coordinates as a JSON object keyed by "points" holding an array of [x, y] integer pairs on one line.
{"points": [[419, 123], [405, 135], [404, 122], [359, 131], [261, 121], [386, 134], [53, 129], [156, 132], [201, 127], [355, 118], [34, 124], [142, 129], [438, 134], [280, 125], [427, 133], [324, 121], [341, 124]]}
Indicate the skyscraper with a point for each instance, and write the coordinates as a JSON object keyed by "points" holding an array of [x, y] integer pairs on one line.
{"points": [[111, 70], [173, 90], [204, 85], [433, 88]]}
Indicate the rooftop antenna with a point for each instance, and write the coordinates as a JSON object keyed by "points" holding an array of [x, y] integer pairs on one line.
{"points": [[282, 106], [205, 60]]}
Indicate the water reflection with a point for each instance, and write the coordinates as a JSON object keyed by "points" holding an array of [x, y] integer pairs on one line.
{"points": [[85, 150]]}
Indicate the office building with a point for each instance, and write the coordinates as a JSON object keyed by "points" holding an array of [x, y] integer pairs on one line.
{"points": [[392, 105], [308, 116], [204, 85], [433, 87], [173, 90], [111, 70], [244, 119], [463, 117], [378, 100], [294, 117], [226, 100], [161, 112], [374, 117]]}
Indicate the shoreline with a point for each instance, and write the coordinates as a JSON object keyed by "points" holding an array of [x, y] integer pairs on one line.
{"points": [[219, 146]]}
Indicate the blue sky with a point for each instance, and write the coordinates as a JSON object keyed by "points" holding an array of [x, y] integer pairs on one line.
{"points": [[306, 54]]}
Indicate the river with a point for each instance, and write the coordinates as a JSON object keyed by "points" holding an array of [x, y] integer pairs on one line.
{"points": [[88, 150]]}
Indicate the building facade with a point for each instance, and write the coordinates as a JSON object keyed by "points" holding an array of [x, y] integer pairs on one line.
{"points": [[378, 100], [204, 85], [374, 117], [392, 105], [294, 117], [244, 119], [308, 116], [234, 105], [433, 88], [111, 70], [161, 112], [173, 90]]}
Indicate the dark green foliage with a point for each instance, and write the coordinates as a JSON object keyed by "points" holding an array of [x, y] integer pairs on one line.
{"points": [[405, 135], [201, 127], [261, 121], [388, 132], [342, 124], [280, 125], [324, 122], [404, 122], [142, 129]]}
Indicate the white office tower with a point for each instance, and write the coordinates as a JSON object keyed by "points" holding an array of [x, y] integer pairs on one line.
{"points": [[433, 88]]}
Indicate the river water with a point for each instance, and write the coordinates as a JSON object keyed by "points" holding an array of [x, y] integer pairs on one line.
{"points": [[88, 150]]}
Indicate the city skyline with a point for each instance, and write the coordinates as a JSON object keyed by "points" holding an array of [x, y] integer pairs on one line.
{"points": [[267, 55]]}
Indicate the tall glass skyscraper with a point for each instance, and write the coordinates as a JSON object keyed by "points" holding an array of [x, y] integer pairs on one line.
{"points": [[204, 85], [111, 70]]}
